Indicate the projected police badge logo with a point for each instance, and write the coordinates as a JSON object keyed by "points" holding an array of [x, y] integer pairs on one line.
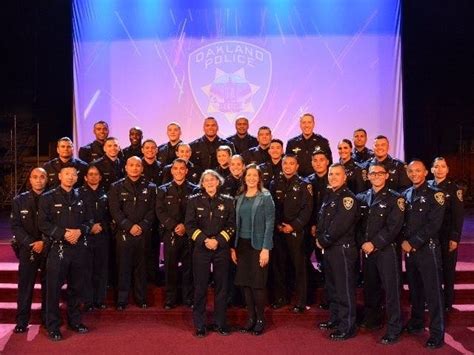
{"points": [[230, 78]]}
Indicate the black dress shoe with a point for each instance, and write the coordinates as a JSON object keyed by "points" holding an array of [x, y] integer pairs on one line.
{"points": [[20, 329], [259, 327], [143, 305], [79, 328], [327, 325], [100, 306], [279, 303], [433, 343], [298, 309], [412, 328], [55, 335], [339, 336], [368, 325], [225, 330], [189, 303], [200, 332], [389, 339], [248, 327], [169, 305], [87, 308], [121, 306]]}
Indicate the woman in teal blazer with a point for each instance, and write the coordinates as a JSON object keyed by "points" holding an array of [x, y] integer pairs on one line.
{"points": [[255, 212]]}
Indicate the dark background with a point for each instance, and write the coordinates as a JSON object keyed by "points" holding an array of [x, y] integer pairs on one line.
{"points": [[437, 60]]}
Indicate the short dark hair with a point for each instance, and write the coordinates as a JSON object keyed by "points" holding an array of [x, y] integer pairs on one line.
{"points": [[92, 166], [102, 123], [347, 141], [377, 164], [381, 136], [264, 128], [307, 114], [360, 130], [290, 155], [111, 139], [338, 165], [179, 161], [276, 140], [149, 140]]}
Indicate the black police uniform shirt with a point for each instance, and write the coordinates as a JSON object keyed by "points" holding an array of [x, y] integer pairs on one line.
{"points": [[167, 153], [132, 202], [293, 201], [382, 216], [98, 204], [210, 217], [193, 175], [24, 219], [91, 151], [451, 228], [54, 166], [243, 144], [231, 185], [270, 170], [320, 186], [222, 171], [337, 218], [204, 151], [303, 148], [397, 173], [424, 214], [153, 172], [131, 151], [171, 202], [111, 170], [355, 177], [361, 156], [256, 155]]}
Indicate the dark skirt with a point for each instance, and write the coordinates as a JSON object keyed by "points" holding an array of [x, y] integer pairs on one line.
{"points": [[249, 273]]}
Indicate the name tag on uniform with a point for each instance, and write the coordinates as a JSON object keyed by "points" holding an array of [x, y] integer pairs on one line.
{"points": [[58, 205], [145, 191], [383, 205], [200, 209], [124, 193], [24, 211]]}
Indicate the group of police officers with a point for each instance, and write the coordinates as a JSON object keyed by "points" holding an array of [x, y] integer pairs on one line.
{"points": [[98, 221]]}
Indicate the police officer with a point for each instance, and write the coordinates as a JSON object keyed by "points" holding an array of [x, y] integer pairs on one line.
{"points": [[167, 151], [451, 229], [110, 165], [397, 174], [152, 168], [63, 216], [204, 148], [382, 212], [31, 246], [272, 168], [97, 254], [183, 151], [355, 179], [306, 143], [424, 216], [233, 181], [293, 206], [65, 150], [94, 150], [135, 135], [361, 153], [132, 206], [259, 154], [223, 153], [171, 201], [242, 140], [335, 235], [210, 221]]}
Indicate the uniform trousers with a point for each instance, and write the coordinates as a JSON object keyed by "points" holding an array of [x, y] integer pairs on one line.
{"points": [[96, 269]]}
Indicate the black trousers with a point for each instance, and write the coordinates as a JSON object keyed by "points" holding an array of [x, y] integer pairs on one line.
{"points": [[382, 269], [424, 273], [340, 285], [289, 248], [449, 260], [313, 276], [178, 250], [131, 265], [65, 264], [30, 264], [152, 255], [202, 260], [96, 268]]}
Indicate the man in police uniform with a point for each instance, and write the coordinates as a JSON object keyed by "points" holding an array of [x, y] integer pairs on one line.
{"points": [[171, 201], [451, 229], [424, 216], [167, 151], [382, 212], [210, 221], [152, 168], [183, 151], [259, 154], [272, 168], [293, 206], [110, 165], [335, 235], [63, 216], [65, 150], [135, 135], [31, 246], [361, 153], [94, 150], [397, 174], [132, 206], [204, 148], [242, 140], [306, 143]]}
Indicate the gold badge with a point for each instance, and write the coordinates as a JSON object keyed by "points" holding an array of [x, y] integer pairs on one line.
{"points": [[348, 202], [220, 207], [401, 204], [439, 197], [459, 195], [310, 189]]}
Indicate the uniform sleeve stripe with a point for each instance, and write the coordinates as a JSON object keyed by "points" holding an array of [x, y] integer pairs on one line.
{"points": [[225, 235], [196, 233]]}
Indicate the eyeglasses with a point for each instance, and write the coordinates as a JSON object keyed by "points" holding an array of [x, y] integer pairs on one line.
{"points": [[377, 173]]}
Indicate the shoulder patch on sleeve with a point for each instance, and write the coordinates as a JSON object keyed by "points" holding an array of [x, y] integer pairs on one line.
{"points": [[310, 189], [459, 195], [439, 197], [401, 203], [348, 202]]}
